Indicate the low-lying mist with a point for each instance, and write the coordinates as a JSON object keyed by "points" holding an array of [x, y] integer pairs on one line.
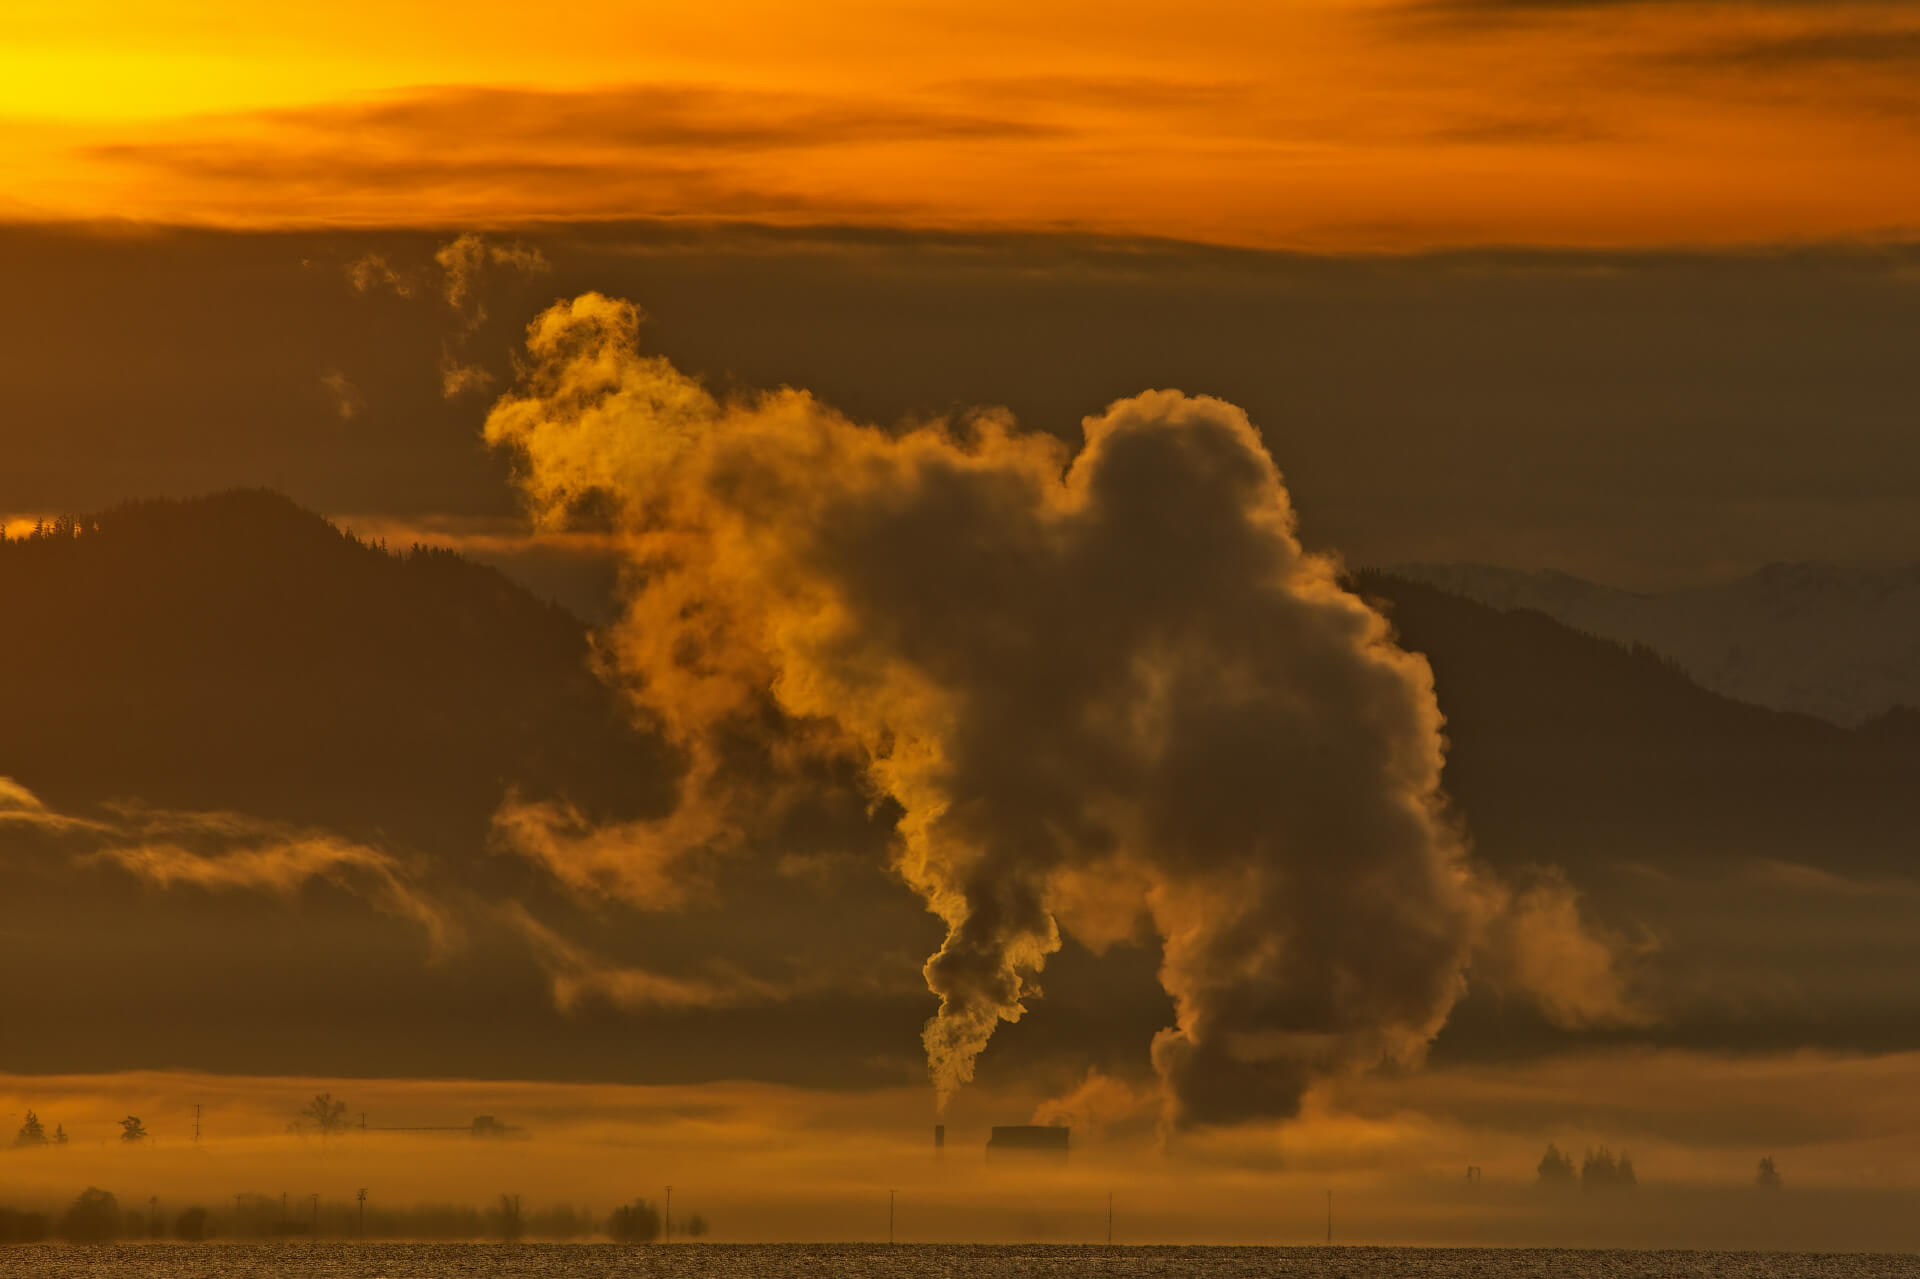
{"points": [[758, 1163]]}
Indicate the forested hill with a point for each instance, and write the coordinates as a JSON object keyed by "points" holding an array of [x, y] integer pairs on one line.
{"points": [[238, 652], [1569, 749]]}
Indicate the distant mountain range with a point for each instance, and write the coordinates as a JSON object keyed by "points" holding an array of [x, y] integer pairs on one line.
{"points": [[238, 654], [1840, 642]]}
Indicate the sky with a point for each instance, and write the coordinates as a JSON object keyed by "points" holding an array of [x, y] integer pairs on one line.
{"points": [[945, 464], [1329, 125]]}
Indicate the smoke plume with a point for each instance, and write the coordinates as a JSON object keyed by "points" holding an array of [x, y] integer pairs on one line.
{"points": [[1114, 665]]}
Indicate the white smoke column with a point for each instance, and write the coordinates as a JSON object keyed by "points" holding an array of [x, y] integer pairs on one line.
{"points": [[1116, 663]]}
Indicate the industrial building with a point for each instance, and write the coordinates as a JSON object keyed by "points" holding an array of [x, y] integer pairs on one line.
{"points": [[1043, 1140]]}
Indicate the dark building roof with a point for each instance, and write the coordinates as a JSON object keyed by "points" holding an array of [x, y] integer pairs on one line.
{"points": [[1038, 1139]]}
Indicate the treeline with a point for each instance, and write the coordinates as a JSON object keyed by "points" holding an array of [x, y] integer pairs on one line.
{"points": [[61, 528], [33, 1132], [96, 1216], [1600, 1170]]}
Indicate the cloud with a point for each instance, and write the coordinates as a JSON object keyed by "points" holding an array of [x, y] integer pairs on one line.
{"points": [[648, 865], [223, 852], [1465, 7], [371, 272], [1111, 661], [348, 403], [1098, 1103], [283, 865], [579, 976], [457, 379], [1540, 945], [20, 807], [464, 260]]}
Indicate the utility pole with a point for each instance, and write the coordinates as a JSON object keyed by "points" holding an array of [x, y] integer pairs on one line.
{"points": [[315, 1233], [666, 1218], [1109, 1219], [890, 1195], [1329, 1215], [361, 1195], [196, 1123]]}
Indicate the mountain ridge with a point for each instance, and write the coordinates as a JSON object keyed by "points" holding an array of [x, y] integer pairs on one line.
{"points": [[1834, 640]]}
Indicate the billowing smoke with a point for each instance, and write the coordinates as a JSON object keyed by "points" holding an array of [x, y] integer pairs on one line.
{"points": [[1104, 686]]}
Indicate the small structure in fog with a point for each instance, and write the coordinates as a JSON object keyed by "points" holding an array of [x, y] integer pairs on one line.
{"points": [[482, 1126], [1046, 1140]]}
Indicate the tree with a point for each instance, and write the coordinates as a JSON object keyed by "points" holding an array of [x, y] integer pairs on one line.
{"points": [[131, 1129], [22, 1227], [637, 1222], [94, 1217], [1556, 1169], [696, 1226], [510, 1224], [191, 1224], [59, 1135], [1768, 1178], [323, 1114], [31, 1133], [1601, 1171]]}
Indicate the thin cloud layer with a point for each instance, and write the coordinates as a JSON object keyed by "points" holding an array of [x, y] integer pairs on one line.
{"points": [[1592, 122], [1116, 662], [224, 852], [219, 852]]}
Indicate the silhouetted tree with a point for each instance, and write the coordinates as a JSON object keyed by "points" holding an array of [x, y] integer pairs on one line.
{"points": [[507, 1219], [191, 1224], [1768, 1177], [696, 1226], [131, 1129], [22, 1227], [637, 1222], [31, 1133], [94, 1217], [1556, 1169], [59, 1135], [323, 1114], [561, 1221], [1601, 1171]]}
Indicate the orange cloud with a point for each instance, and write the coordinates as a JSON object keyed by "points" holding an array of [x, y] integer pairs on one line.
{"points": [[1385, 125]]}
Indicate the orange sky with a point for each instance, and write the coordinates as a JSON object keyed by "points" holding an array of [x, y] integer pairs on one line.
{"points": [[1321, 124]]}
